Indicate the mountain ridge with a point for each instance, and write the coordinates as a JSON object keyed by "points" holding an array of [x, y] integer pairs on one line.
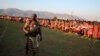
{"points": [[40, 14]]}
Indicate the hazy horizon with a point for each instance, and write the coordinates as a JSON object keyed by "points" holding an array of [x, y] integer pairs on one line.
{"points": [[88, 9]]}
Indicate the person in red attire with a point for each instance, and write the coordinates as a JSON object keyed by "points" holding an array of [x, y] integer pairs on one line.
{"points": [[98, 33], [95, 31], [90, 30]]}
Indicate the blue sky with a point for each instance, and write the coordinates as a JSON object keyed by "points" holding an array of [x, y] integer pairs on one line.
{"points": [[89, 9]]}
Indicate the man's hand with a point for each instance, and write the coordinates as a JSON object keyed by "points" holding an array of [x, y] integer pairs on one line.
{"points": [[26, 34]]}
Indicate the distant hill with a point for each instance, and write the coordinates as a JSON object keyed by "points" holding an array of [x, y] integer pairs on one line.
{"points": [[18, 12]]}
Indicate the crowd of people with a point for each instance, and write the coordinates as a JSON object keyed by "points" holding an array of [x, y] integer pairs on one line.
{"points": [[88, 29]]}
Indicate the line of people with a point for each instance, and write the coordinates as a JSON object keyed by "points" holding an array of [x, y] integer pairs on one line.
{"points": [[85, 28]]}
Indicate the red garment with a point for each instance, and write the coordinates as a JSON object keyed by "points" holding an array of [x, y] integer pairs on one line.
{"points": [[98, 34], [95, 31], [90, 30]]}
